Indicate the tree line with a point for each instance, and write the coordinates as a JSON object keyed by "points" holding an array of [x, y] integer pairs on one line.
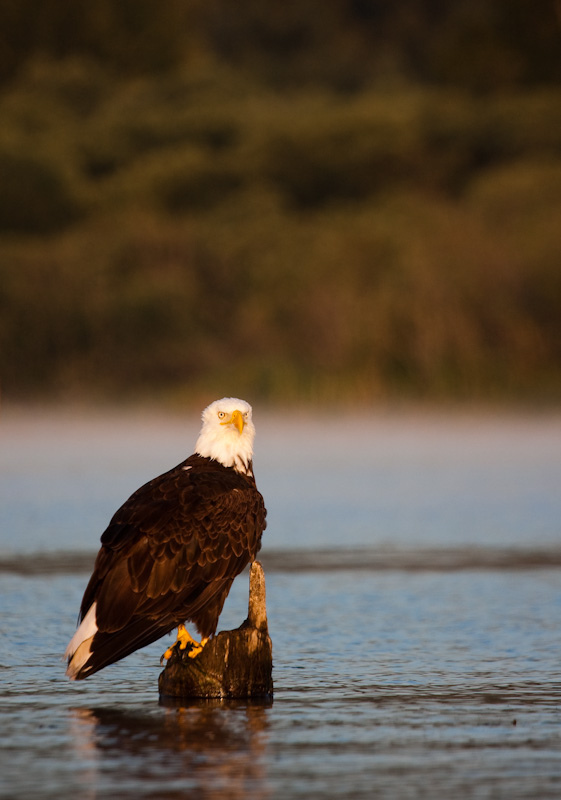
{"points": [[304, 201]]}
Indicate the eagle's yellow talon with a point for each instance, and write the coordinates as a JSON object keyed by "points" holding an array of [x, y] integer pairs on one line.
{"points": [[197, 647], [183, 639]]}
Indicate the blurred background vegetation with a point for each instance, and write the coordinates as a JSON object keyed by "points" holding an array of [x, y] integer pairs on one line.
{"points": [[352, 201]]}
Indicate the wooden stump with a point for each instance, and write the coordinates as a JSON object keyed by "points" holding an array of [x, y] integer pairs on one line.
{"points": [[233, 664]]}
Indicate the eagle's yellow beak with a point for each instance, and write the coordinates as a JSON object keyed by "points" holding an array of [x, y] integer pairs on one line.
{"points": [[236, 419]]}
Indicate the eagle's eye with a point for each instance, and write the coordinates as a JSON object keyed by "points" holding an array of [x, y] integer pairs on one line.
{"points": [[221, 414]]}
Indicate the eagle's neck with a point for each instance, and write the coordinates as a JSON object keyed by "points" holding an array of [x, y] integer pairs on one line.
{"points": [[228, 448], [244, 468]]}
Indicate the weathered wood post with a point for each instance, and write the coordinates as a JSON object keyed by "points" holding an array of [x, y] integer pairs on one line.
{"points": [[234, 664]]}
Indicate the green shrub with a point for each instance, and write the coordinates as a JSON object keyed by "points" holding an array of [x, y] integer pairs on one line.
{"points": [[197, 230]]}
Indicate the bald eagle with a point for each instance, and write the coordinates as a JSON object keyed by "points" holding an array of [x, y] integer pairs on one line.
{"points": [[171, 552]]}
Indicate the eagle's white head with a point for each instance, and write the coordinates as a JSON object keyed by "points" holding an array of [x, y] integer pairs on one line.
{"points": [[227, 434]]}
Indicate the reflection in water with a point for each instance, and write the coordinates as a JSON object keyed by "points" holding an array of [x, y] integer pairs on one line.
{"points": [[215, 748]]}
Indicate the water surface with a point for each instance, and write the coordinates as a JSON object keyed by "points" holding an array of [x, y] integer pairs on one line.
{"points": [[414, 598]]}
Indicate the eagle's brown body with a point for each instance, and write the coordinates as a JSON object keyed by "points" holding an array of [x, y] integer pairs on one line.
{"points": [[169, 555]]}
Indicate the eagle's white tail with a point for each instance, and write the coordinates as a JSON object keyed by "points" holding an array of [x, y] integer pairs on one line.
{"points": [[79, 647]]}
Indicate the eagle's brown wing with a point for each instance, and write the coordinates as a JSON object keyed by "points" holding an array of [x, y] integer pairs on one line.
{"points": [[170, 555]]}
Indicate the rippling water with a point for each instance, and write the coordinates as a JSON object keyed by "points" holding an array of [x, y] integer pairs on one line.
{"points": [[414, 598]]}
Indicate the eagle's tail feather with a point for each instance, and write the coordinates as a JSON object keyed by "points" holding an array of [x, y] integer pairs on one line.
{"points": [[104, 648]]}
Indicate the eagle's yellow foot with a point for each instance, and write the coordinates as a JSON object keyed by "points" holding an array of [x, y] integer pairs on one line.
{"points": [[197, 647], [183, 639]]}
